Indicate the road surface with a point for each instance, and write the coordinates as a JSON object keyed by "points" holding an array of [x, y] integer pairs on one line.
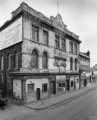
{"points": [[79, 108]]}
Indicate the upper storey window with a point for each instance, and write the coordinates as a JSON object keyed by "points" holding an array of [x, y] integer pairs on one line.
{"points": [[57, 42], [1, 62], [71, 47], [75, 46], [35, 59], [64, 44], [35, 33], [45, 60], [45, 37]]}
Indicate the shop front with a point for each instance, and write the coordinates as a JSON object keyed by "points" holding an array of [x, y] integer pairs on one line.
{"points": [[36, 89], [60, 83]]}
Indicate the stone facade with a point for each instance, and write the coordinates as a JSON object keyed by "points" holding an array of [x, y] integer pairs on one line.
{"points": [[35, 84]]}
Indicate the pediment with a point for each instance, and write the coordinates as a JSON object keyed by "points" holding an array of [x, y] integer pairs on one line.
{"points": [[58, 22]]}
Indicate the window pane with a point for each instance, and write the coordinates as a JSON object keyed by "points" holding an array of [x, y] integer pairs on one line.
{"points": [[75, 64], [63, 44], [71, 63], [45, 37], [63, 62], [44, 87], [34, 33], [75, 48], [57, 42], [45, 61], [34, 59], [71, 47], [57, 60], [1, 62], [19, 62], [30, 88]]}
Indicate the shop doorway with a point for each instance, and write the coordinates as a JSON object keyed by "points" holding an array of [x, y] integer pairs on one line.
{"points": [[53, 87], [67, 85], [38, 93]]}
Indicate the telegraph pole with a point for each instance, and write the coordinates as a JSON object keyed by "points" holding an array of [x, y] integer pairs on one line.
{"points": [[57, 6]]}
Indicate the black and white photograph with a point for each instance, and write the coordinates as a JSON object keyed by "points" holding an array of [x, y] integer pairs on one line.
{"points": [[48, 59]]}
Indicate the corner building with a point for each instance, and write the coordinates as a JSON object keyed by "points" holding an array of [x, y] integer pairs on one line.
{"points": [[39, 55]]}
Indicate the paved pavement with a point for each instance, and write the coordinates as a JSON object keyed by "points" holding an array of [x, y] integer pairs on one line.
{"points": [[79, 108], [13, 111], [59, 98], [93, 116]]}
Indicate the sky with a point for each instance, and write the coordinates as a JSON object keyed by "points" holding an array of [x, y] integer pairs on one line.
{"points": [[80, 16]]}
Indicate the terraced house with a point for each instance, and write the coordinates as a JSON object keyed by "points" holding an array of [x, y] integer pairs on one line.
{"points": [[38, 55], [84, 69]]}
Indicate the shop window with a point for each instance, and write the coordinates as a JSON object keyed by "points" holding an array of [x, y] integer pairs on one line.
{"points": [[44, 87], [45, 37], [61, 84], [72, 83], [34, 33], [30, 88]]}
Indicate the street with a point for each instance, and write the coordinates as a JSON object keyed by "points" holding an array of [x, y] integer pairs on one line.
{"points": [[79, 108]]}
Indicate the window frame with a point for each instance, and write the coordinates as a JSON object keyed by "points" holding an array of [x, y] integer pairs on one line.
{"points": [[57, 41], [36, 65], [71, 64], [63, 44], [35, 29], [44, 88], [45, 35], [45, 66], [1, 62], [76, 62], [71, 47]]}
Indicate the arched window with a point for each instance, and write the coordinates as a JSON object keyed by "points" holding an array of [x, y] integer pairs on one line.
{"points": [[71, 63], [45, 60], [75, 64], [35, 59]]}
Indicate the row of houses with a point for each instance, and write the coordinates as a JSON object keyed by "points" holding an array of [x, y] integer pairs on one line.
{"points": [[39, 56]]}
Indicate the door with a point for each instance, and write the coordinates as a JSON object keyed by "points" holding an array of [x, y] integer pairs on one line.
{"points": [[67, 85], [38, 93], [53, 87], [30, 92]]}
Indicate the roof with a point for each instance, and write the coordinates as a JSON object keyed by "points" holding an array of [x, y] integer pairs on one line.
{"points": [[82, 54], [56, 22]]}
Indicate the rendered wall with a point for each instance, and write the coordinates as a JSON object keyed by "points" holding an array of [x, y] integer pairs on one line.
{"points": [[11, 34]]}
